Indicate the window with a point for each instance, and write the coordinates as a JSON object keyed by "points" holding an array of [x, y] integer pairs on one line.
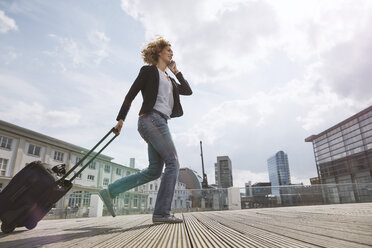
{"points": [[5, 142], [77, 160], [86, 199], [135, 201], [150, 200], [150, 186], [156, 187], [106, 181], [118, 171], [107, 168], [75, 199], [91, 177], [126, 200], [92, 165], [34, 150], [3, 165], [128, 173], [58, 156]]}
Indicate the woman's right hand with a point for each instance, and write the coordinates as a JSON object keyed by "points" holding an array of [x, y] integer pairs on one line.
{"points": [[118, 127]]}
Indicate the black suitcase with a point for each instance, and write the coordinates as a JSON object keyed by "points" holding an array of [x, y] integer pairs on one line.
{"points": [[34, 190]]}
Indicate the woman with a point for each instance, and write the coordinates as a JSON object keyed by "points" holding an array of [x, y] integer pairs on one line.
{"points": [[161, 102]]}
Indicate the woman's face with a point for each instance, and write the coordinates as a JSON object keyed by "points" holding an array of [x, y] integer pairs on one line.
{"points": [[166, 55]]}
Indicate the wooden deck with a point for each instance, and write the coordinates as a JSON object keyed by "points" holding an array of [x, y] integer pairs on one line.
{"points": [[346, 225]]}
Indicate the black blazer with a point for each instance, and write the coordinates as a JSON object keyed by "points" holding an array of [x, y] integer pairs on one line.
{"points": [[147, 82]]}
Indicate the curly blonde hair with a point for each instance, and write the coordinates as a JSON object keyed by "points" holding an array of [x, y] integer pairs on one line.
{"points": [[150, 53]]}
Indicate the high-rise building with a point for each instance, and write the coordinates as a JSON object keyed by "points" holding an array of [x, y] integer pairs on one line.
{"points": [[343, 156], [278, 168], [223, 172]]}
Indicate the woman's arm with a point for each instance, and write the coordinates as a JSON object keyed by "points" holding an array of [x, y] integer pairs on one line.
{"points": [[184, 88], [137, 85]]}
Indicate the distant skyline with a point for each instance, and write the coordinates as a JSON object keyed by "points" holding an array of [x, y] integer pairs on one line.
{"points": [[265, 74]]}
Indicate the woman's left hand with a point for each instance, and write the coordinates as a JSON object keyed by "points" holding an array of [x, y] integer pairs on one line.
{"points": [[173, 67]]}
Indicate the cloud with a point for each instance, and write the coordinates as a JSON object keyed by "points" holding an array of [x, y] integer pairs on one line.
{"points": [[303, 102], [23, 102], [23, 112], [8, 54], [347, 67], [14, 87], [219, 41], [210, 42], [72, 53], [6, 23]]}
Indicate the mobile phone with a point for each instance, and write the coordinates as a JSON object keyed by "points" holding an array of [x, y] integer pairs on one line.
{"points": [[171, 64]]}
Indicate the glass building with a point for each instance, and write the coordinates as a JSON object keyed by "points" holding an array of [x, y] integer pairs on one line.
{"points": [[279, 175], [343, 156]]}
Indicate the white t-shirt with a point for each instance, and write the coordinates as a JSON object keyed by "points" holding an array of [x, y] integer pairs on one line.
{"points": [[164, 100]]}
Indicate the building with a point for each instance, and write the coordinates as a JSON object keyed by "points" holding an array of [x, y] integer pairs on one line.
{"points": [[248, 189], [223, 172], [258, 195], [20, 146], [343, 156], [314, 180], [190, 178], [193, 182], [180, 196], [132, 162], [278, 169], [279, 175]]}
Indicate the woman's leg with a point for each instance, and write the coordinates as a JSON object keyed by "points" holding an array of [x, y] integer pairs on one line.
{"points": [[151, 173], [154, 129]]}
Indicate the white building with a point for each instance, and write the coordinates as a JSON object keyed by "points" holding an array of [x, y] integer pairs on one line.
{"points": [[20, 146], [180, 196]]}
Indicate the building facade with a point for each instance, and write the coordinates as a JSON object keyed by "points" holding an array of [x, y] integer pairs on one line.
{"points": [[278, 169], [180, 197], [258, 195], [223, 172], [343, 156], [279, 175], [20, 146]]}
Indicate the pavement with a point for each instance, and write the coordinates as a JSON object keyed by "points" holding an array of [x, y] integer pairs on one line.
{"points": [[338, 226]]}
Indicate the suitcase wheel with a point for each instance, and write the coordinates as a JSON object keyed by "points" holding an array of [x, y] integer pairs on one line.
{"points": [[30, 225], [5, 228]]}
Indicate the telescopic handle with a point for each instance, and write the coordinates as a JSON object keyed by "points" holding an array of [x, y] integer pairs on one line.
{"points": [[113, 130]]}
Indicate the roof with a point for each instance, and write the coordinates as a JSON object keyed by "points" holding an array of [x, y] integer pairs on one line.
{"points": [[27, 133], [314, 136]]}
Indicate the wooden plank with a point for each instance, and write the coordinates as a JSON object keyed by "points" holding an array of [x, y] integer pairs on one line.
{"points": [[346, 225], [200, 236], [232, 230], [252, 220]]}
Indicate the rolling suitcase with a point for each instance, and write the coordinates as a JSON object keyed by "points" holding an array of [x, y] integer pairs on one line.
{"points": [[34, 190]]}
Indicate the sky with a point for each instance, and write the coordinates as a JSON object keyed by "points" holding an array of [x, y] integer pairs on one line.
{"points": [[265, 74]]}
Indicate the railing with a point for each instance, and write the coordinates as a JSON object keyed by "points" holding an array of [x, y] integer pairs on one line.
{"points": [[188, 200]]}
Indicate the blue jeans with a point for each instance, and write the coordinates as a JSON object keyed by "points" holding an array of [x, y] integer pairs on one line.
{"points": [[154, 130]]}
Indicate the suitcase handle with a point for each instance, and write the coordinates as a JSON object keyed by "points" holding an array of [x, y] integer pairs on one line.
{"points": [[113, 130]]}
